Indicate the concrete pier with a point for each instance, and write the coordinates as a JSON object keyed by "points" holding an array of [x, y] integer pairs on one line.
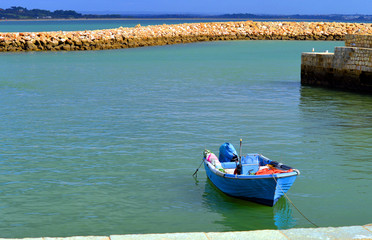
{"points": [[329, 233], [348, 68], [140, 36]]}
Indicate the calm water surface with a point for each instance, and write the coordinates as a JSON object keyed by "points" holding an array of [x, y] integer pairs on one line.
{"points": [[106, 142], [81, 25]]}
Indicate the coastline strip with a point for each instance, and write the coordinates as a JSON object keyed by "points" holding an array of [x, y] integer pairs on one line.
{"points": [[155, 35]]}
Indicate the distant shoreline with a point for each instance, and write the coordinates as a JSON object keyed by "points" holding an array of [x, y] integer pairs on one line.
{"points": [[23, 14], [183, 19]]}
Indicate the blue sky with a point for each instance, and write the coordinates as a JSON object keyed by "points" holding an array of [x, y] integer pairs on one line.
{"points": [[201, 6]]}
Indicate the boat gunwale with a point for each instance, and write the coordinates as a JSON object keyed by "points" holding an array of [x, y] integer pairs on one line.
{"points": [[248, 177]]}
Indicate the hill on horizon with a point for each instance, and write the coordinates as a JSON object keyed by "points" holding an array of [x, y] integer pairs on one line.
{"points": [[21, 13]]}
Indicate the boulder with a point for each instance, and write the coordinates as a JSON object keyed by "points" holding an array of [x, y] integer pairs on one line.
{"points": [[30, 46]]}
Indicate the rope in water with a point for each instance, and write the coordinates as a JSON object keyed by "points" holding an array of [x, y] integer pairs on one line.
{"points": [[293, 203], [196, 171]]}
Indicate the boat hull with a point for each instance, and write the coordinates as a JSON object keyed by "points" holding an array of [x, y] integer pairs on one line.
{"points": [[264, 189]]}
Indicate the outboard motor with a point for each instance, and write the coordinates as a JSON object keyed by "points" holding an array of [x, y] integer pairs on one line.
{"points": [[228, 153]]}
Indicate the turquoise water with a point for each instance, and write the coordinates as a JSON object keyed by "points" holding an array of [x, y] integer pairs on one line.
{"points": [[81, 25], [106, 142]]}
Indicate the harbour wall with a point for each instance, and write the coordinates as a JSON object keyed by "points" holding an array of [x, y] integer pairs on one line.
{"points": [[348, 68], [140, 36]]}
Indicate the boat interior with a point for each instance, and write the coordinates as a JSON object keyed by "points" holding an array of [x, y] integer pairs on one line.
{"points": [[251, 164]]}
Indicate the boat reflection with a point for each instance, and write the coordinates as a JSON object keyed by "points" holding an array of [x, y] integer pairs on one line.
{"points": [[241, 215], [283, 214]]}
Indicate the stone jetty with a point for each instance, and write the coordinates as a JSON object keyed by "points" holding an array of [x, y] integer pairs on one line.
{"points": [[140, 36], [348, 68]]}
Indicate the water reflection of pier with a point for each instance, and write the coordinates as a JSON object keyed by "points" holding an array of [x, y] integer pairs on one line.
{"points": [[241, 215], [335, 130], [339, 124]]}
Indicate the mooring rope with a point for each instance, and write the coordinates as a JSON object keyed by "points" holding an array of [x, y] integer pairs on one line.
{"points": [[293, 203], [196, 171]]}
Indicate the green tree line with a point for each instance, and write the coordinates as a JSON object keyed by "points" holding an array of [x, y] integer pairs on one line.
{"points": [[24, 13]]}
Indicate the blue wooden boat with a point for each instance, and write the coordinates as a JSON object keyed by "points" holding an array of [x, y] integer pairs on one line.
{"points": [[265, 189]]}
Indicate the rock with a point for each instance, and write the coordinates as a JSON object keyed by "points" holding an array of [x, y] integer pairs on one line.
{"points": [[66, 47], [30, 46], [139, 36]]}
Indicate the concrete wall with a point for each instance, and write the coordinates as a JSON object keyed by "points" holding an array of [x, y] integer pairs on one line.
{"points": [[363, 41], [348, 68], [331, 233], [353, 58]]}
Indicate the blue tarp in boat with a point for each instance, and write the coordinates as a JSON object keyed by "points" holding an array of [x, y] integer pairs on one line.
{"points": [[227, 152]]}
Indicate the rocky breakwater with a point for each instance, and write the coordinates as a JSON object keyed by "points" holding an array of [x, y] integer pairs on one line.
{"points": [[140, 36]]}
